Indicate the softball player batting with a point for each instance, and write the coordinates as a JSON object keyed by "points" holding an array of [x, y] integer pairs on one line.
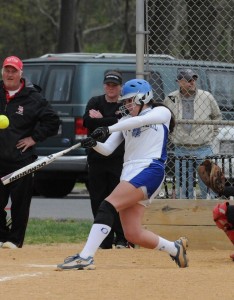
{"points": [[145, 129]]}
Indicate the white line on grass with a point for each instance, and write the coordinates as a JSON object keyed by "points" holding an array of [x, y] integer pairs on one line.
{"points": [[8, 278], [41, 266]]}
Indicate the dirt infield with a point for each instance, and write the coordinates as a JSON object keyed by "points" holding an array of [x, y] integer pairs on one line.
{"points": [[29, 273]]}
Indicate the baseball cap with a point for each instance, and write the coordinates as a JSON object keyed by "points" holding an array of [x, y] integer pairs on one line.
{"points": [[113, 77], [187, 74], [13, 61]]}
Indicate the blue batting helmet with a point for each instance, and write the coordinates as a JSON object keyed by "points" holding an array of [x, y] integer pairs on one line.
{"points": [[140, 89]]}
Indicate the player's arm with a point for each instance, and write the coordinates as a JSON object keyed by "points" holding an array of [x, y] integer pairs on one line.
{"points": [[158, 115], [110, 144], [106, 148]]}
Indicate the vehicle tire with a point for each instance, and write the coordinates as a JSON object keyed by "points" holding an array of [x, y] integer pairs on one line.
{"points": [[87, 185], [54, 187]]}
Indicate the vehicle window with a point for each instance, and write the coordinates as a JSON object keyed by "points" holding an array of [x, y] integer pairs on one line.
{"points": [[59, 83], [157, 86], [128, 75], [221, 85], [33, 73], [91, 80]]}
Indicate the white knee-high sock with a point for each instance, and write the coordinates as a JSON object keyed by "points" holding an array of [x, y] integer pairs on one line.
{"points": [[96, 236], [167, 246]]}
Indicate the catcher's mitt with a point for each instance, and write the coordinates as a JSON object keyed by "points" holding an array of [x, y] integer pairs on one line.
{"points": [[213, 177]]}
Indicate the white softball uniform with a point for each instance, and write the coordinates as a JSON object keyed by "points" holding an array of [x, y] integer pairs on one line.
{"points": [[146, 138]]}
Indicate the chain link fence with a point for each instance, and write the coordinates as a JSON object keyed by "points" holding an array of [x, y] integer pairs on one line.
{"points": [[182, 35]]}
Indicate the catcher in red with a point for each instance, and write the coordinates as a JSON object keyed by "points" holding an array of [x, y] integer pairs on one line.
{"points": [[223, 213]]}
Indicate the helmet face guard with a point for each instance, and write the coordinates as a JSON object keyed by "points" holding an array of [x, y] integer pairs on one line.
{"points": [[127, 106], [139, 91]]}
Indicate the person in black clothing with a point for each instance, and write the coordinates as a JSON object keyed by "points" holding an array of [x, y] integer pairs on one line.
{"points": [[31, 120], [105, 171]]}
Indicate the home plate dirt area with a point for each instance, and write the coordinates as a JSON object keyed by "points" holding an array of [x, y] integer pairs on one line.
{"points": [[29, 273]]}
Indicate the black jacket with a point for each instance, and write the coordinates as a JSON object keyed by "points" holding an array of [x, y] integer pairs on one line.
{"points": [[110, 112], [29, 115]]}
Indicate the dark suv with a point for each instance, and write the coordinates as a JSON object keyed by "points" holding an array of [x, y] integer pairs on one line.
{"points": [[69, 80]]}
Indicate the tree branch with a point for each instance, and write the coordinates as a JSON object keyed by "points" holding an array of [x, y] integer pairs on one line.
{"points": [[98, 28], [53, 21]]}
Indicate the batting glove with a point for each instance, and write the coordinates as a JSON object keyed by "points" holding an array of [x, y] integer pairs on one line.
{"points": [[100, 133], [89, 142]]}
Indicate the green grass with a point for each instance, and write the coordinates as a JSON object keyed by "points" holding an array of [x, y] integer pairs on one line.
{"points": [[56, 231]]}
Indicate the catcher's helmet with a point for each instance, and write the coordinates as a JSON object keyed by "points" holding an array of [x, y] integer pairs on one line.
{"points": [[139, 89]]}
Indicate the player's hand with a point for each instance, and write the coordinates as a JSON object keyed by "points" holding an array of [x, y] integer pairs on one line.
{"points": [[89, 142], [100, 133]]}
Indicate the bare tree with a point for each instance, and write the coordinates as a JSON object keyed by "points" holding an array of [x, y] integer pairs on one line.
{"points": [[160, 25], [201, 25], [67, 26]]}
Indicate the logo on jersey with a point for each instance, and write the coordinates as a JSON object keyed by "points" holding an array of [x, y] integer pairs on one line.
{"points": [[20, 110], [137, 131]]}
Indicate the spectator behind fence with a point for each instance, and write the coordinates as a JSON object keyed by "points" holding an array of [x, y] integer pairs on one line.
{"points": [[192, 140]]}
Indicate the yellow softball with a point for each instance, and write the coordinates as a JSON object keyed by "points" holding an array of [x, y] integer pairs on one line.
{"points": [[4, 122]]}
